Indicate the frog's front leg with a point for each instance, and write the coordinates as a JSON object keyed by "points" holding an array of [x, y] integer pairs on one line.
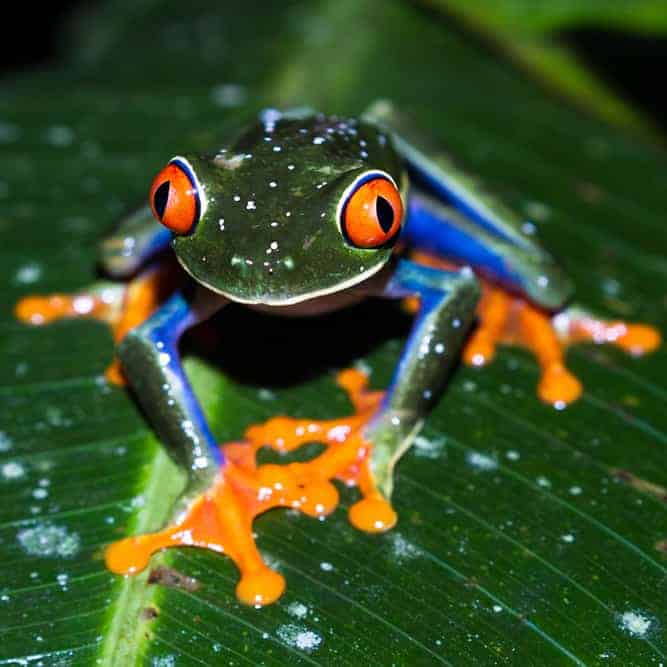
{"points": [[447, 301], [212, 512]]}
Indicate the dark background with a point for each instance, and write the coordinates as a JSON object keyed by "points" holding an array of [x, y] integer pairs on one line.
{"points": [[632, 64]]}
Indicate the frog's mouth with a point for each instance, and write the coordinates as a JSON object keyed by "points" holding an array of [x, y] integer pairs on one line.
{"points": [[271, 300]]}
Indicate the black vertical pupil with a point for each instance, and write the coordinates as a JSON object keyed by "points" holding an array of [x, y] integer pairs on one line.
{"points": [[385, 213], [160, 199]]}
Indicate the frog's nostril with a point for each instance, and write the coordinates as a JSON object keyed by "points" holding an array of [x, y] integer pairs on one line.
{"points": [[385, 213], [160, 199]]}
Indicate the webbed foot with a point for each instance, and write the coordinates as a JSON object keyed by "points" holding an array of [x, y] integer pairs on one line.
{"points": [[221, 518], [505, 319], [121, 306]]}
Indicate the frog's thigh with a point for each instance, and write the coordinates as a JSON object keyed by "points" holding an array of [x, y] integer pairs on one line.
{"points": [[447, 308], [151, 361]]}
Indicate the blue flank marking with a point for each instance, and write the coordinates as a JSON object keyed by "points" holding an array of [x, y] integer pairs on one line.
{"points": [[174, 318], [433, 233], [439, 188]]}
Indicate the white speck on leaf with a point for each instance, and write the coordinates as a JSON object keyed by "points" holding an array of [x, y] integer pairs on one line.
{"points": [[5, 442], [481, 461], [13, 470], [228, 95], [28, 273], [298, 610], [49, 541], [636, 623], [428, 449], [299, 637], [403, 549], [59, 135]]}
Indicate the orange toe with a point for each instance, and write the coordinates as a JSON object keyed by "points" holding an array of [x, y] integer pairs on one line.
{"points": [[479, 351], [639, 339], [558, 386], [372, 515], [260, 588]]}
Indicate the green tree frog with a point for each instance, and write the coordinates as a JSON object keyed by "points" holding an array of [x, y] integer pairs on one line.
{"points": [[302, 213]]}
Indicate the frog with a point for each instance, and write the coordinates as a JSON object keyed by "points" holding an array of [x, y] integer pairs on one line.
{"points": [[300, 213]]}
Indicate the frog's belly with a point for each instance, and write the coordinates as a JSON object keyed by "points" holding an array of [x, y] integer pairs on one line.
{"points": [[317, 306], [327, 303]]}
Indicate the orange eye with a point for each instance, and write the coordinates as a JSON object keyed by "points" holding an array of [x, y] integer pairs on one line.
{"points": [[373, 212], [174, 197]]}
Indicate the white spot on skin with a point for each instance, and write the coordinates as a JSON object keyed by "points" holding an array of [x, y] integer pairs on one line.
{"points": [[13, 470], [636, 623], [28, 273], [83, 304], [49, 541], [164, 358], [481, 461], [299, 637]]}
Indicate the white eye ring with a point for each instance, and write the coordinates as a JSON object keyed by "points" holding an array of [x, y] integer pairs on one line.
{"points": [[197, 188]]}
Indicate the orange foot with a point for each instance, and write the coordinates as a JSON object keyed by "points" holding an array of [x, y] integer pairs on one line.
{"points": [[511, 320], [121, 306], [221, 519], [506, 319]]}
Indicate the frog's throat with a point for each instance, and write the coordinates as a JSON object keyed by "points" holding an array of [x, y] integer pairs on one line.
{"points": [[290, 301]]}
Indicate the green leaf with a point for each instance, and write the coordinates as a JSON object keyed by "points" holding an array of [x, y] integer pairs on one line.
{"points": [[526, 535], [528, 33]]}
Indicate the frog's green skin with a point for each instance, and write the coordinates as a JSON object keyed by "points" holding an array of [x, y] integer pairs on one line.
{"points": [[270, 236], [267, 234]]}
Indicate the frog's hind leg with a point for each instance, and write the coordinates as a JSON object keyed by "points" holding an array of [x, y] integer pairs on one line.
{"points": [[505, 319], [121, 306]]}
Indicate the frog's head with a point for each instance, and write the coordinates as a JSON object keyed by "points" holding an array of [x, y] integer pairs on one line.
{"points": [[294, 208]]}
